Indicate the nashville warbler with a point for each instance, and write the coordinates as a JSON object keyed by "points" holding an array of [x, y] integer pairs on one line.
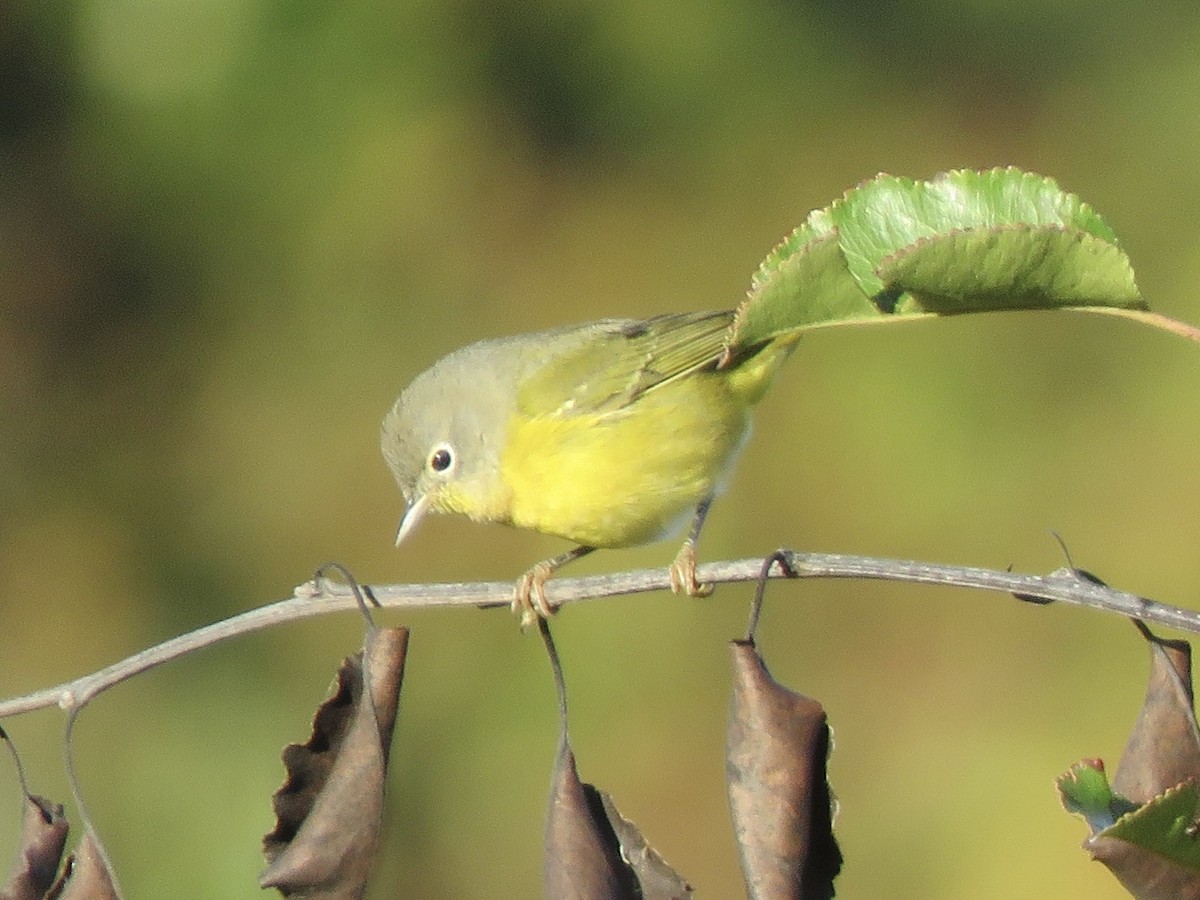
{"points": [[608, 434]]}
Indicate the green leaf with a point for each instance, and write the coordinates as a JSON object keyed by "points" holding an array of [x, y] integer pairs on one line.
{"points": [[1084, 790], [1167, 825], [1014, 267], [894, 248], [815, 270]]}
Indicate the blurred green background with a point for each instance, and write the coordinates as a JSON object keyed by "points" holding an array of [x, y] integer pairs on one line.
{"points": [[231, 232]]}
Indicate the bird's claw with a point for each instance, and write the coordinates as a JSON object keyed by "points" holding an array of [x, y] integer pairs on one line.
{"points": [[683, 574], [529, 595]]}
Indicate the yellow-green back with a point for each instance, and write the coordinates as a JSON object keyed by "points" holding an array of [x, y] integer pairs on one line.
{"points": [[617, 442]]}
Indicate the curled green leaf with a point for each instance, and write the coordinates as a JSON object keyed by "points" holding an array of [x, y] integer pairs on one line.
{"points": [[966, 241]]}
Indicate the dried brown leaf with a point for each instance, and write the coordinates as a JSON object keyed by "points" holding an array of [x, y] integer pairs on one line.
{"points": [[776, 750], [1164, 748], [1145, 874], [43, 834], [330, 809], [657, 880], [582, 857], [87, 874], [595, 853], [1162, 753]]}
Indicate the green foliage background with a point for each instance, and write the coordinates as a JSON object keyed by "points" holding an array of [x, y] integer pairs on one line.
{"points": [[230, 232]]}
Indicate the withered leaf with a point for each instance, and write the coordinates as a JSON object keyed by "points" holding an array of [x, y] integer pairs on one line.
{"points": [[582, 860], [656, 878], [330, 809], [87, 874], [1154, 851], [777, 746], [1146, 826], [43, 835], [1146, 875], [592, 852], [1164, 748]]}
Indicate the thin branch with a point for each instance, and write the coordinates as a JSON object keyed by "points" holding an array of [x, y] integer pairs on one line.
{"points": [[312, 599], [1153, 319]]}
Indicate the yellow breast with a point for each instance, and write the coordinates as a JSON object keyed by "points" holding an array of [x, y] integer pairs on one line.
{"points": [[627, 476]]}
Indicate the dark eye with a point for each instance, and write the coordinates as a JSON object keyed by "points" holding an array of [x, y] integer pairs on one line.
{"points": [[440, 459]]}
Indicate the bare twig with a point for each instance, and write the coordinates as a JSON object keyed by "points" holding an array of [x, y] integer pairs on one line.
{"points": [[311, 599]]}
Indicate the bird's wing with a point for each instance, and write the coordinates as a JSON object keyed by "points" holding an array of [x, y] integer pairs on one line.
{"points": [[616, 362]]}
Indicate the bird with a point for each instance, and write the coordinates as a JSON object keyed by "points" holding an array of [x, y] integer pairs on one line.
{"points": [[609, 434]]}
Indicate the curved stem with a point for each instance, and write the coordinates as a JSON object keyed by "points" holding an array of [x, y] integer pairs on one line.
{"points": [[311, 599]]}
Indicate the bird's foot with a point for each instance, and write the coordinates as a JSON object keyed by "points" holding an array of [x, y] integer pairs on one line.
{"points": [[529, 594], [683, 573]]}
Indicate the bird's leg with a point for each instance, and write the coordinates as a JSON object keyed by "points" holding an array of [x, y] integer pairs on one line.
{"points": [[683, 569], [529, 596]]}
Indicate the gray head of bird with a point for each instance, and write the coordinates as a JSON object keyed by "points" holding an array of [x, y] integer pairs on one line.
{"points": [[443, 437]]}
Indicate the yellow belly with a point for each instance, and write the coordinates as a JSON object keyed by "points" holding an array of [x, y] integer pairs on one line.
{"points": [[625, 477]]}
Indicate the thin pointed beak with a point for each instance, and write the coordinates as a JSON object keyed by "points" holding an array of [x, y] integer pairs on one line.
{"points": [[413, 514]]}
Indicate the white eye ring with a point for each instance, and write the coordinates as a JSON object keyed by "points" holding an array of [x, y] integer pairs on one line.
{"points": [[441, 459]]}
